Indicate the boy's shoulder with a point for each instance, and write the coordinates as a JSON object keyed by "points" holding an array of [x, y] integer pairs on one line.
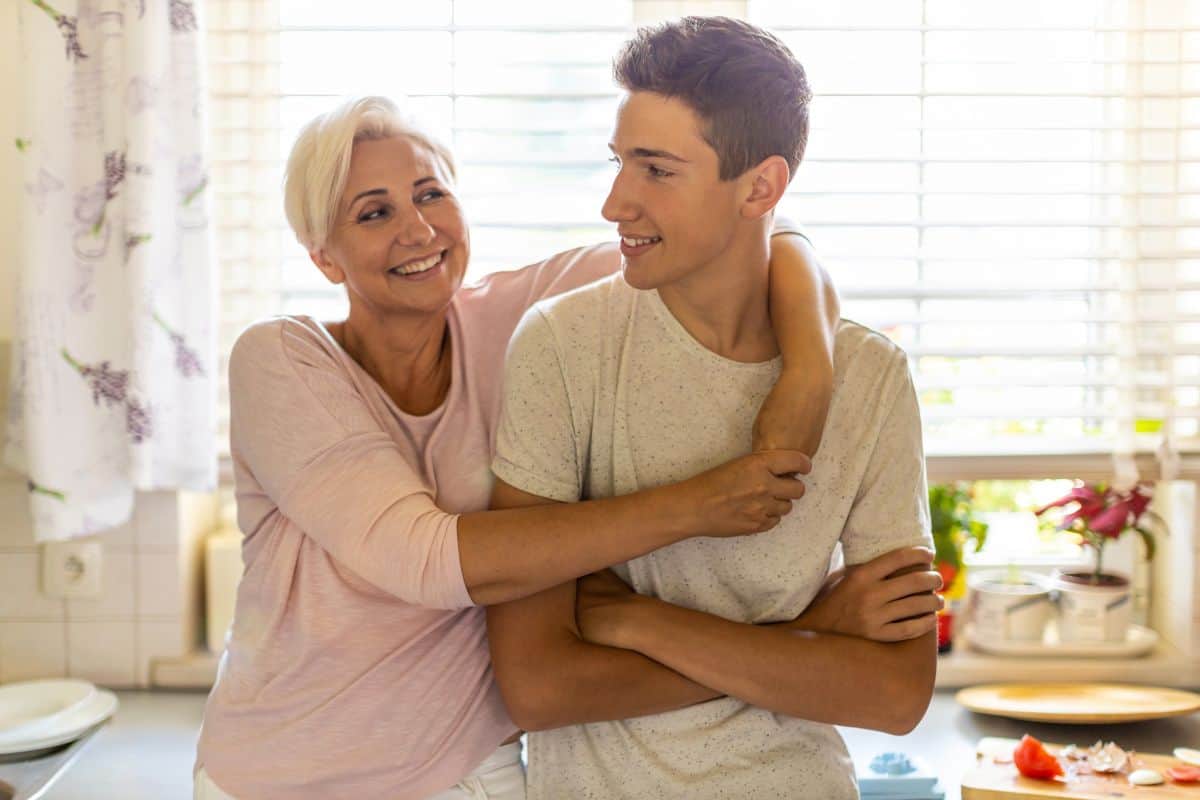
{"points": [[588, 312], [868, 361]]}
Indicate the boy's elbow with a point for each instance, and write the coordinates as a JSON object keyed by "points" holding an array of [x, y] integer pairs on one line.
{"points": [[913, 691]]}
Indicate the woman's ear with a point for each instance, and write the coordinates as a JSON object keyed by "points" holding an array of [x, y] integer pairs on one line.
{"points": [[332, 272], [765, 184]]}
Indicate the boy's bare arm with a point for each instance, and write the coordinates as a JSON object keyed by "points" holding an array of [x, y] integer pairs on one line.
{"points": [[823, 677], [550, 677]]}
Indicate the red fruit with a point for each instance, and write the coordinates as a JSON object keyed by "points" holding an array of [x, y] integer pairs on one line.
{"points": [[1183, 774], [1033, 761]]}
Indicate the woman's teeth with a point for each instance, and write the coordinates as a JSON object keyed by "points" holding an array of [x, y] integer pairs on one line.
{"points": [[419, 266], [633, 241]]}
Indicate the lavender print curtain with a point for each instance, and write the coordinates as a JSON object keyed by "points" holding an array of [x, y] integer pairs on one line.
{"points": [[112, 385]]}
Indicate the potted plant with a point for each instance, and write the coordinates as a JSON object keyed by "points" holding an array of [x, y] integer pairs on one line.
{"points": [[953, 524], [1094, 605]]}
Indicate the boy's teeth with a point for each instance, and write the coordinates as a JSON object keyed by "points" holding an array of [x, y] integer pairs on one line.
{"points": [[635, 242], [419, 266]]}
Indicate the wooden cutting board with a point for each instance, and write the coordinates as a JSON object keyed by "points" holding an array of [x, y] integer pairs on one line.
{"points": [[1078, 703], [989, 780]]}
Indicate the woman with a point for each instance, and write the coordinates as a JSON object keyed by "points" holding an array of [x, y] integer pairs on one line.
{"points": [[357, 664]]}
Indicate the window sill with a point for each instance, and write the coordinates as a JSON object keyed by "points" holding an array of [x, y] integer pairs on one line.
{"points": [[1164, 666]]}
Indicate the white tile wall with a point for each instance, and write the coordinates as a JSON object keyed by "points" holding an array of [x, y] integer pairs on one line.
{"points": [[159, 592], [148, 607], [157, 639], [32, 650], [118, 580], [21, 597], [103, 651]]}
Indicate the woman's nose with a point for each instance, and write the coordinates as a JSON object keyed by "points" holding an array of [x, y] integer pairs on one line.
{"points": [[414, 230]]}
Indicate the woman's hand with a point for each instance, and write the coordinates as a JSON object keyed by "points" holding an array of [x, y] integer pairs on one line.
{"points": [[602, 602], [793, 414], [888, 599], [747, 495]]}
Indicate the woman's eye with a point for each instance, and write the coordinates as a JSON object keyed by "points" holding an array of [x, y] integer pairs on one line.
{"points": [[374, 213], [432, 194]]}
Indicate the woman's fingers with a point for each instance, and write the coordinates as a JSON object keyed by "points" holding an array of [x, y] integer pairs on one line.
{"points": [[787, 488]]}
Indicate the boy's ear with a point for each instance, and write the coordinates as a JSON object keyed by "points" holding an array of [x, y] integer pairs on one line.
{"points": [[765, 184], [332, 272]]}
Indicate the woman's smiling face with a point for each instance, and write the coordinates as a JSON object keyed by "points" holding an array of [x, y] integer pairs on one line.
{"points": [[400, 241]]}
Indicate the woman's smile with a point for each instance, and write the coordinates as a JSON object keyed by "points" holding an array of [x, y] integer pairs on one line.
{"points": [[420, 268]]}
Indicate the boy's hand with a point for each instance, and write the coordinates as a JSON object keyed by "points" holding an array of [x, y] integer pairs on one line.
{"points": [[888, 599], [602, 601], [792, 416]]}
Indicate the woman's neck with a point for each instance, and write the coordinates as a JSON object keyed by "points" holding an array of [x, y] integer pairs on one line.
{"points": [[409, 356]]}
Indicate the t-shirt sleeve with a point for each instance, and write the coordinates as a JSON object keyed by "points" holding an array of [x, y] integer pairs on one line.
{"points": [[536, 442], [300, 426], [781, 224], [891, 509]]}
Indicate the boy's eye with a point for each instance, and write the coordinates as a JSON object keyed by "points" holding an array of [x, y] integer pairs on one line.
{"points": [[655, 172], [615, 160]]}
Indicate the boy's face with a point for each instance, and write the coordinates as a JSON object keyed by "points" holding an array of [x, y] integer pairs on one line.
{"points": [[674, 214]]}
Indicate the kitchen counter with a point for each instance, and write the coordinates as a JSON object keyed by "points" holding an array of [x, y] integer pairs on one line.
{"points": [[146, 752]]}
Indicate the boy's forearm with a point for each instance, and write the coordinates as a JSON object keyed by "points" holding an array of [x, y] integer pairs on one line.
{"points": [[577, 682], [820, 677]]}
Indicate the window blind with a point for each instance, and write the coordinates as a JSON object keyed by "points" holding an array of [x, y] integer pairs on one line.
{"points": [[1010, 191]]}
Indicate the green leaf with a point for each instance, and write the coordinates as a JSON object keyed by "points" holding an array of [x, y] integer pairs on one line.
{"points": [[1148, 540]]}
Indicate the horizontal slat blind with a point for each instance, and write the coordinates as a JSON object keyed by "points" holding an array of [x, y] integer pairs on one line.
{"points": [[1009, 190]]}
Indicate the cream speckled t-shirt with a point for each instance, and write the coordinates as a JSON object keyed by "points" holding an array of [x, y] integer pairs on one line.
{"points": [[605, 394]]}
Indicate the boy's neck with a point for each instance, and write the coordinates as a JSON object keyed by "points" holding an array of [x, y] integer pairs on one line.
{"points": [[724, 304]]}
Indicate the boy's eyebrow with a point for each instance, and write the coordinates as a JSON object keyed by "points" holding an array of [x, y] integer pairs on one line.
{"points": [[645, 152]]}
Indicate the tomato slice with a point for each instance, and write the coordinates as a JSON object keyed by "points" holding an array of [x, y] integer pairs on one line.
{"points": [[1033, 761], [1183, 774]]}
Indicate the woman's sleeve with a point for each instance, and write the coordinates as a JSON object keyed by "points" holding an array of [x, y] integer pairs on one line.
{"points": [[517, 290], [302, 428]]}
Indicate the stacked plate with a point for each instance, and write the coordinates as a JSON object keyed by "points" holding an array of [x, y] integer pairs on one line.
{"points": [[39, 715]]}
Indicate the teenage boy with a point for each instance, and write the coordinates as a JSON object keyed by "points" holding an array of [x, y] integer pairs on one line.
{"points": [[697, 683]]}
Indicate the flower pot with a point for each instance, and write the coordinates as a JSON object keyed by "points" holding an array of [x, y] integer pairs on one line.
{"points": [[1090, 611], [1009, 608]]}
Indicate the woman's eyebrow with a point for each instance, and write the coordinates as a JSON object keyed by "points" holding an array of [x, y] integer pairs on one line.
{"points": [[367, 193]]}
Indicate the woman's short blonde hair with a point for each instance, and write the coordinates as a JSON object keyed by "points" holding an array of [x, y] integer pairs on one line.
{"points": [[320, 160]]}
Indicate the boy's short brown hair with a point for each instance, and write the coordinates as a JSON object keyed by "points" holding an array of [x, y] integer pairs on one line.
{"points": [[745, 84]]}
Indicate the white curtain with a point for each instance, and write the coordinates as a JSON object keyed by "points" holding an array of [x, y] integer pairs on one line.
{"points": [[113, 385]]}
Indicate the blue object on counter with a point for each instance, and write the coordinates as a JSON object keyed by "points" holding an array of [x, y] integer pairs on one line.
{"points": [[897, 776]]}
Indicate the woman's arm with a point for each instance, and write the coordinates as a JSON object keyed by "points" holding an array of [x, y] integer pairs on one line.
{"points": [[516, 552], [804, 314]]}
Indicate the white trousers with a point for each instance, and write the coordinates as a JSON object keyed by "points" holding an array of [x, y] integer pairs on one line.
{"points": [[500, 777]]}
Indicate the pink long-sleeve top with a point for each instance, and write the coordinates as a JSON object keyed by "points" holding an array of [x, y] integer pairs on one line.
{"points": [[357, 665]]}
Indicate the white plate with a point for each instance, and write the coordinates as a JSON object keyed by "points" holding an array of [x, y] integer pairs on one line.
{"points": [[66, 727], [1138, 642], [32, 705]]}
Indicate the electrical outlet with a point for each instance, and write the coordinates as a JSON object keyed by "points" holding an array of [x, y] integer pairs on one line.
{"points": [[72, 569]]}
